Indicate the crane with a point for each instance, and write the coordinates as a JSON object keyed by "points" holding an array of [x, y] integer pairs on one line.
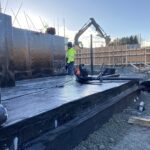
{"points": [[100, 31]]}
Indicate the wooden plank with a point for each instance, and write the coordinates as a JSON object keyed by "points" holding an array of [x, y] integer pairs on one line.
{"points": [[139, 121]]}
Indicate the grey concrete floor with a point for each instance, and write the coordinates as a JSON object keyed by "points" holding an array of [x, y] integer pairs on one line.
{"points": [[32, 97]]}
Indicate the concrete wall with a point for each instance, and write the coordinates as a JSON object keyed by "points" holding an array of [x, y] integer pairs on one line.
{"points": [[5, 40], [6, 75], [29, 54], [37, 54]]}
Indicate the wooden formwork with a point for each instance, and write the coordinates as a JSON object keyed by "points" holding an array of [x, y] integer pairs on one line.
{"points": [[114, 55]]}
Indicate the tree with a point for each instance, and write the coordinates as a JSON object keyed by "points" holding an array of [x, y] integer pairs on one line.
{"points": [[135, 40], [125, 40], [131, 40]]}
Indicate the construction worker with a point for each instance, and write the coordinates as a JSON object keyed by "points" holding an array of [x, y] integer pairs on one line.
{"points": [[71, 52]]}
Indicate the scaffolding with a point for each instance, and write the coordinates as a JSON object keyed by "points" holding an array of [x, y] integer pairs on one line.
{"points": [[114, 55]]}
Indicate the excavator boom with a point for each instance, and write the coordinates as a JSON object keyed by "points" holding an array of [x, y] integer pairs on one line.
{"points": [[101, 32]]}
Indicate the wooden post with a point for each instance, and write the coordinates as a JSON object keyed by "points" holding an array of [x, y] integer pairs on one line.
{"points": [[126, 56], [91, 54], [145, 55]]}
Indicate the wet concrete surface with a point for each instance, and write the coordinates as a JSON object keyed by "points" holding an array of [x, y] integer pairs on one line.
{"points": [[32, 97]]}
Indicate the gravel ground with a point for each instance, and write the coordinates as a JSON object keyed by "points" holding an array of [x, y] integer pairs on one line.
{"points": [[117, 134]]}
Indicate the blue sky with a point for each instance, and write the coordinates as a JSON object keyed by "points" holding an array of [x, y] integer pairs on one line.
{"points": [[118, 18]]}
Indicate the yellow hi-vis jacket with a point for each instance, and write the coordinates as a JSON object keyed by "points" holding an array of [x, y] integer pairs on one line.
{"points": [[71, 52]]}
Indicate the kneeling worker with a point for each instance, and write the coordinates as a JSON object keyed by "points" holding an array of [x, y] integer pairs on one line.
{"points": [[71, 53]]}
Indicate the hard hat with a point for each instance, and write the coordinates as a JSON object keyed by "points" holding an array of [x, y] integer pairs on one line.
{"points": [[69, 44]]}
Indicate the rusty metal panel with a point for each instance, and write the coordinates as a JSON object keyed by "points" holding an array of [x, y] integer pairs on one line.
{"points": [[20, 50], [47, 52], [58, 54], [28, 53], [37, 53], [40, 51]]}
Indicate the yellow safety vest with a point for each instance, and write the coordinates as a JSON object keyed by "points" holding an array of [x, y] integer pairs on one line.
{"points": [[71, 52]]}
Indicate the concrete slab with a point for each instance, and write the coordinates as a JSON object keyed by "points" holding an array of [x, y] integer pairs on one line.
{"points": [[58, 106], [32, 97]]}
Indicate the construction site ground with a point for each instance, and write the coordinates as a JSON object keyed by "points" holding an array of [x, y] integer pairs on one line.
{"points": [[118, 134]]}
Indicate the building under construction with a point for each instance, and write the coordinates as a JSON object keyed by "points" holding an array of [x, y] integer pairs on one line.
{"points": [[57, 112], [109, 55], [114, 55]]}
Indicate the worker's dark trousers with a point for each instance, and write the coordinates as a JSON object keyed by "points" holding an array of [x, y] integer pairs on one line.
{"points": [[70, 68]]}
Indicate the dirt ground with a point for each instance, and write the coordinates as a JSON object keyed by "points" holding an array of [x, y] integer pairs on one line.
{"points": [[118, 134]]}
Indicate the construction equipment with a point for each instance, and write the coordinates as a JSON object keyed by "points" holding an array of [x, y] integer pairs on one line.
{"points": [[83, 77], [100, 31], [108, 74]]}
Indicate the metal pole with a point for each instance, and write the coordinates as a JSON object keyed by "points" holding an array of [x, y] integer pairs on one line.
{"points": [[145, 56], [27, 21], [64, 28], [17, 13], [58, 25], [91, 54], [32, 22], [42, 22], [16, 18], [5, 6], [0, 7]]}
